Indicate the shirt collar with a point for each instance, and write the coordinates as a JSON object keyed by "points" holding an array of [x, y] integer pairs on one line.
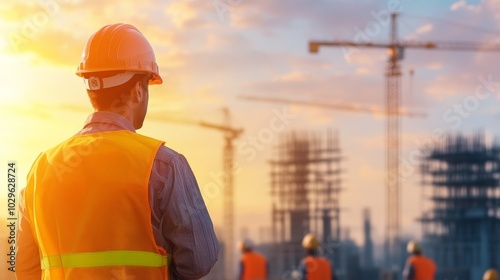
{"points": [[109, 118]]}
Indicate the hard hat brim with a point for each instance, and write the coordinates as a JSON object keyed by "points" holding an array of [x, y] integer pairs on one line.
{"points": [[155, 79]]}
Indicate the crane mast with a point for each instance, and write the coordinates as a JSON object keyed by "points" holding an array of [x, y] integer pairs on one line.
{"points": [[392, 101]]}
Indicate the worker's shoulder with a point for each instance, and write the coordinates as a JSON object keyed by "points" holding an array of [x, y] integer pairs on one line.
{"points": [[323, 259], [261, 256], [420, 258], [254, 254], [429, 260], [167, 155]]}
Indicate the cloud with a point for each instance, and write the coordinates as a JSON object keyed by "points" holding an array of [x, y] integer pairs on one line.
{"points": [[15, 11], [181, 13], [56, 47], [56, 31], [319, 15], [295, 76], [31, 110], [449, 85], [434, 65], [462, 4], [343, 88], [426, 28]]}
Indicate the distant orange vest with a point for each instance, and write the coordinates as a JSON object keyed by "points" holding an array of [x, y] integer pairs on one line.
{"points": [[87, 203], [423, 267], [318, 268], [254, 266]]}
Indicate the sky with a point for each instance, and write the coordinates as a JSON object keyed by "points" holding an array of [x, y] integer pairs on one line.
{"points": [[212, 52]]}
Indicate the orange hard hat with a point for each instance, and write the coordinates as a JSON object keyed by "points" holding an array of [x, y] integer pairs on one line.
{"points": [[119, 47], [413, 247], [490, 274], [310, 241], [245, 244]]}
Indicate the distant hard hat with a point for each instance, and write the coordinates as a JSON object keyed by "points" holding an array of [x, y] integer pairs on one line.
{"points": [[245, 244], [310, 241], [413, 247], [490, 274], [118, 47]]}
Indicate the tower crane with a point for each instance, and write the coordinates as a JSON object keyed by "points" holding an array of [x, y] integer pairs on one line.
{"points": [[392, 103], [230, 134]]}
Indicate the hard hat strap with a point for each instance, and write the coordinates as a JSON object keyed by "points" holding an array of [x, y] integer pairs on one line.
{"points": [[97, 83]]}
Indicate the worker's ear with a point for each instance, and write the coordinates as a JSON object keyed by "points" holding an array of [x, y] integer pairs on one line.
{"points": [[138, 93]]}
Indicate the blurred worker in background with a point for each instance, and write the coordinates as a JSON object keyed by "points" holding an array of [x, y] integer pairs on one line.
{"points": [[109, 203], [418, 267], [314, 267], [253, 266], [490, 274]]}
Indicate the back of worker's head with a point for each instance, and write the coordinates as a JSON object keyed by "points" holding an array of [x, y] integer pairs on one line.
{"points": [[245, 245], [311, 243], [414, 248], [490, 274], [117, 65], [114, 98]]}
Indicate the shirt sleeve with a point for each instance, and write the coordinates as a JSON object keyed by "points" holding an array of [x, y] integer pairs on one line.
{"points": [[303, 270], [242, 270], [183, 225], [267, 269], [408, 272], [27, 257], [333, 271]]}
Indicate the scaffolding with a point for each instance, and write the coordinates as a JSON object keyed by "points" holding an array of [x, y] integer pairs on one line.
{"points": [[305, 187], [461, 228]]}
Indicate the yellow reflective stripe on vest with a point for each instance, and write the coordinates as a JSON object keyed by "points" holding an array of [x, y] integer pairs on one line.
{"points": [[106, 258]]}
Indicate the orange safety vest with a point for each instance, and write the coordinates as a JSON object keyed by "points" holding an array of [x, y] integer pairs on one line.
{"points": [[318, 268], [88, 207], [254, 266], [423, 267]]}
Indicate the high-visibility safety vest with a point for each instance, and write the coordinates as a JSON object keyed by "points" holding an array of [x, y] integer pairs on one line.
{"points": [[423, 267], [88, 207], [317, 268], [254, 266]]}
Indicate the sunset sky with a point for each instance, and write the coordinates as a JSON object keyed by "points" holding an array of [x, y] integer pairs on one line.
{"points": [[211, 52]]}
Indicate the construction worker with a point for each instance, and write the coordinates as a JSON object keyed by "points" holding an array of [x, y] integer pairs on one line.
{"points": [[253, 266], [109, 203], [418, 267], [490, 274], [314, 267]]}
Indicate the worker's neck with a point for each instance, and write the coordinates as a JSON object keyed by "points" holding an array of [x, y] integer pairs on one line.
{"points": [[312, 252], [122, 111]]}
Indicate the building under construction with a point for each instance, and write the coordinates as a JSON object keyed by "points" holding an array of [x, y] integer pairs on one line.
{"points": [[305, 187], [461, 229]]}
